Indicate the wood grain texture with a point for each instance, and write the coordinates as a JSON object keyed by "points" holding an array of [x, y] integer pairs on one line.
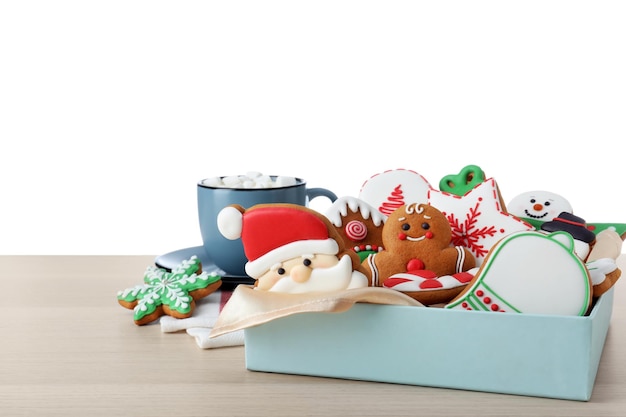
{"points": [[69, 349]]}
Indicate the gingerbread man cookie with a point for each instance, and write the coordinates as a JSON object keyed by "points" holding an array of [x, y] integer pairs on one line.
{"points": [[417, 245], [172, 293]]}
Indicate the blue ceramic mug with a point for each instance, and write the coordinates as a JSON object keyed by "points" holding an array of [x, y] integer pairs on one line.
{"points": [[228, 255]]}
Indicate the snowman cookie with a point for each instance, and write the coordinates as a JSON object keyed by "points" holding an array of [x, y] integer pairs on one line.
{"points": [[537, 207]]}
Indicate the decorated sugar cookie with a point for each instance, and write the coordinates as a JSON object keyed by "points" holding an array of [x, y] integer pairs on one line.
{"points": [[172, 293], [478, 219], [292, 249], [602, 261], [460, 184], [537, 207], [418, 258], [393, 188], [530, 272], [359, 224]]}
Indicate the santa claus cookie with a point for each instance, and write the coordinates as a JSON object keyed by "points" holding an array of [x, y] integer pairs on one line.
{"points": [[530, 272], [292, 249], [359, 224], [418, 259]]}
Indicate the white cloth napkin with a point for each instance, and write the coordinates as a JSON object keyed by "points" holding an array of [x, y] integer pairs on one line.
{"points": [[200, 324]]}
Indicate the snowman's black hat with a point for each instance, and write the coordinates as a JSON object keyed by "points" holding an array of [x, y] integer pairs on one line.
{"points": [[574, 225]]}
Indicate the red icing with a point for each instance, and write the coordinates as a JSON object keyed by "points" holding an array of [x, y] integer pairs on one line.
{"points": [[431, 283], [392, 282], [293, 224], [429, 235], [463, 277], [401, 236], [395, 200], [424, 273], [414, 265], [495, 307]]}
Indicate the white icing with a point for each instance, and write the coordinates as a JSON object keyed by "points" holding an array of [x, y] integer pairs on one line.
{"points": [[480, 215], [600, 268], [339, 277], [414, 281], [378, 189], [539, 205], [340, 207], [532, 272], [230, 222]]}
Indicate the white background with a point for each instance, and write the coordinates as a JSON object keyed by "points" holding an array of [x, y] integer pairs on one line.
{"points": [[112, 111]]}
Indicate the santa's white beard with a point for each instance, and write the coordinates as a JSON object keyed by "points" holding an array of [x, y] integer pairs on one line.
{"points": [[334, 278]]}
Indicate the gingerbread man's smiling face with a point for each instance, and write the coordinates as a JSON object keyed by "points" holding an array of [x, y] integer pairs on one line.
{"points": [[416, 224]]}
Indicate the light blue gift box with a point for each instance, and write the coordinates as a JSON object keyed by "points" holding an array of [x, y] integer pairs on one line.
{"points": [[523, 354]]}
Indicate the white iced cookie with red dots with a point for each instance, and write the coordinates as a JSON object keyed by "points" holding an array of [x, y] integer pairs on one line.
{"points": [[530, 272], [478, 219]]}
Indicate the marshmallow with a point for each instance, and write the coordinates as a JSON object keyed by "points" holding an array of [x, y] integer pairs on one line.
{"points": [[252, 179]]}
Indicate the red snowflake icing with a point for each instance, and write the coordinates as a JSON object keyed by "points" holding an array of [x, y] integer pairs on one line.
{"points": [[465, 233]]}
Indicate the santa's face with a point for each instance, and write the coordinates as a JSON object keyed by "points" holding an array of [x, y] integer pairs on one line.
{"points": [[309, 273]]}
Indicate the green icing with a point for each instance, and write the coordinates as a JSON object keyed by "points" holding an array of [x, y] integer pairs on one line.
{"points": [[171, 289], [463, 182], [596, 228]]}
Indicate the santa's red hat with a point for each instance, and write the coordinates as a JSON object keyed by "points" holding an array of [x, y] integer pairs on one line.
{"points": [[275, 233]]}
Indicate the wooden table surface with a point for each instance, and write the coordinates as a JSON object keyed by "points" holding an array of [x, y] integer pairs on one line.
{"points": [[69, 349]]}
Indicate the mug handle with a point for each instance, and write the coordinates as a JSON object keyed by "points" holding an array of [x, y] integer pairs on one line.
{"points": [[312, 193]]}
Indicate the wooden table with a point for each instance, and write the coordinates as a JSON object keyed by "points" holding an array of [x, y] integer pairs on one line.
{"points": [[69, 349]]}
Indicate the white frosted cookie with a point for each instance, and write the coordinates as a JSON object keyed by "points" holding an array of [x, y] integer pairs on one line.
{"points": [[478, 219], [393, 188], [530, 272]]}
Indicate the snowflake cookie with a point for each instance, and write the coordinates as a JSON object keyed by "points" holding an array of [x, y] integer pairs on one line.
{"points": [[172, 293]]}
